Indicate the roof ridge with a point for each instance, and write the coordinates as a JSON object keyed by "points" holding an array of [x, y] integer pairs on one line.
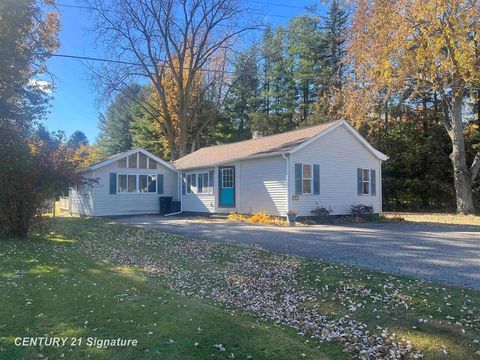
{"points": [[265, 137]]}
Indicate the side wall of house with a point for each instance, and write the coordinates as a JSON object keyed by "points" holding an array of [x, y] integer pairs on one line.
{"points": [[262, 186], [106, 204], [81, 198], [338, 154]]}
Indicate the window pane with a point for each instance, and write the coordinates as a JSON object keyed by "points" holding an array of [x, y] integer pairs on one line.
{"points": [[142, 160], [307, 171], [205, 182], [122, 163], [152, 164], [152, 183], [200, 184], [366, 174], [227, 178], [142, 183], [132, 161], [189, 183], [307, 186], [366, 188], [132, 183], [122, 183]]}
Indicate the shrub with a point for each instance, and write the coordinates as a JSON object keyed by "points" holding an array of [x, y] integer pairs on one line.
{"points": [[361, 210], [321, 211]]}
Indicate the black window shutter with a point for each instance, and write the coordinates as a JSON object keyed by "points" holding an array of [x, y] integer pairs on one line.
{"points": [[316, 179], [160, 184], [373, 183], [359, 181], [113, 183], [298, 179]]}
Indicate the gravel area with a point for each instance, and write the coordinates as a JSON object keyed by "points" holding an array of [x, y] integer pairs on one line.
{"points": [[443, 253]]}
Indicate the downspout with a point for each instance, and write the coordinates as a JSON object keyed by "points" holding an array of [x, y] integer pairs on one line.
{"points": [[287, 180], [181, 192]]}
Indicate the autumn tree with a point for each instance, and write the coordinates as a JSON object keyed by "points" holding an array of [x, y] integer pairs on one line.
{"points": [[34, 166], [419, 46], [155, 39]]}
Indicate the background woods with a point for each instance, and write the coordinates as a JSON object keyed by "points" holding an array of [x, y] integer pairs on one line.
{"points": [[321, 67], [182, 76]]}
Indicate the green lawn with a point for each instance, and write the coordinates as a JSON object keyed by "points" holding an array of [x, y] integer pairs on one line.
{"points": [[179, 298]]}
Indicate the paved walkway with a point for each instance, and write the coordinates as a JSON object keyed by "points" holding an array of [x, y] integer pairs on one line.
{"points": [[443, 253]]}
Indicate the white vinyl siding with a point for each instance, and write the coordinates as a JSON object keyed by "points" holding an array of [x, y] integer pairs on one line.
{"points": [[262, 186], [340, 155], [105, 204], [80, 198]]}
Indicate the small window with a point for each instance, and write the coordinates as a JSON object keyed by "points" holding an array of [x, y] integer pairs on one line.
{"points": [[147, 183], [227, 178], [365, 181], [132, 183], [122, 183], [152, 183], [143, 183], [307, 179], [122, 163], [202, 183], [191, 183], [142, 161], [152, 164], [132, 161]]}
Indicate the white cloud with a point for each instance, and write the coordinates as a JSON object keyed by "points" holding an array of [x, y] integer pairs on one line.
{"points": [[42, 85]]}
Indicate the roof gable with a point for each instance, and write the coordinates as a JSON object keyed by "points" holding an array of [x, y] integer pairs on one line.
{"points": [[119, 156], [287, 142]]}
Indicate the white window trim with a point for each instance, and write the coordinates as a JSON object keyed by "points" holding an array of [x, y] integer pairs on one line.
{"points": [[369, 181], [311, 179], [137, 190]]}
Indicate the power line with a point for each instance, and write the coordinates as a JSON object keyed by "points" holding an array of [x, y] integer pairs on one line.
{"points": [[277, 4], [254, 13], [91, 58]]}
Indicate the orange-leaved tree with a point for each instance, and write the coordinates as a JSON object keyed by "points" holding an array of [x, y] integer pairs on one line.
{"points": [[400, 46]]}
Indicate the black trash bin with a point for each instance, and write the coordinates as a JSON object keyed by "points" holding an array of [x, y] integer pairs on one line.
{"points": [[165, 204]]}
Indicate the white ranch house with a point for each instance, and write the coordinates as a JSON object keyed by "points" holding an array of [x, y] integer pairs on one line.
{"points": [[329, 165]]}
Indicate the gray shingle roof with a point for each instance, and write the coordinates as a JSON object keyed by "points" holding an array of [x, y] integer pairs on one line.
{"points": [[278, 143]]}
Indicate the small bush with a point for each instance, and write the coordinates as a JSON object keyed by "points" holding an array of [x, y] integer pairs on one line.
{"points": [[321, 211], [361, 210]]}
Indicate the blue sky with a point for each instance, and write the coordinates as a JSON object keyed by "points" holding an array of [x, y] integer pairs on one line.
{"points": [[75, 106]]}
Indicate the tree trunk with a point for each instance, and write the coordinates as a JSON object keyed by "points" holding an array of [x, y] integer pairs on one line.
{"points": [[461, 172]]}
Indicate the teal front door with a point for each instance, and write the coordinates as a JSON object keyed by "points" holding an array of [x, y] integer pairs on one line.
{"points": [[226, 181]]}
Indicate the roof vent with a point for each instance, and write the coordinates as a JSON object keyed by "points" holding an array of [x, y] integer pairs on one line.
{"points": [[257, 135]]}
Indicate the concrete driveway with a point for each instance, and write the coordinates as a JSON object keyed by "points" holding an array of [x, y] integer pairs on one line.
{"points": [[443, 253]]}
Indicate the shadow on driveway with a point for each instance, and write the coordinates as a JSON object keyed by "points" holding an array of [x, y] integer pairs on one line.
{"points": [[448, 254]]}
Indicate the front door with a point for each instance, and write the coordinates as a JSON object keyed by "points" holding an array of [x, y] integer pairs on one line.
{"points": [[226, 181]]}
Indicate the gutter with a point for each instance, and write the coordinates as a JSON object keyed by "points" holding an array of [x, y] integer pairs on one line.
{"points": [[181, 192], [287, 179]]}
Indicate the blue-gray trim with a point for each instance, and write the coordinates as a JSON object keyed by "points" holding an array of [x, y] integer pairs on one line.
{"points": [[316, 179], [359, 182], [298, 179], [113, 183], [373, 182]]}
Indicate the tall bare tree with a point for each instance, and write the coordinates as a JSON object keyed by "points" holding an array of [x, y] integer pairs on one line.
{"points": [[151, 38]]}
